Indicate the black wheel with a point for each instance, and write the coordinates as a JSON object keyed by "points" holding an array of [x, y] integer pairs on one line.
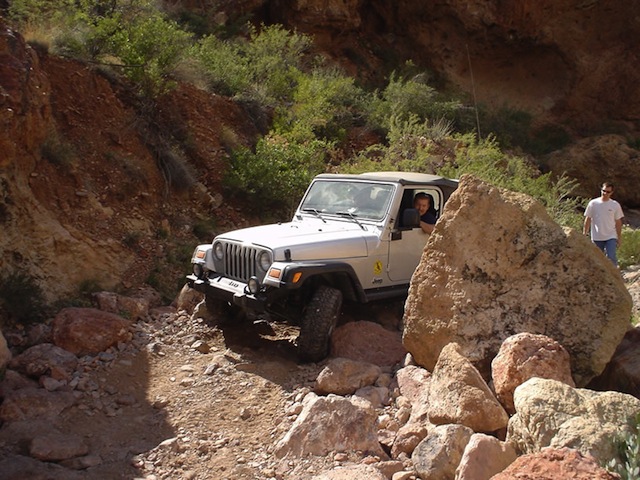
{"points": [[221, 312], [318, 321]]}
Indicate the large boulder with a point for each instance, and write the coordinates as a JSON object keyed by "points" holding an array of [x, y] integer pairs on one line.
{"points": [[497, 264], [552, 414]]}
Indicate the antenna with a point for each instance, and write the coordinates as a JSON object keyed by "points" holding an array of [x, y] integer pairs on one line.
{"points": [[473, 89]]}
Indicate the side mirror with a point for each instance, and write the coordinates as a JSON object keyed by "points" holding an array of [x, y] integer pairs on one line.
{"points": [[410, 218]]}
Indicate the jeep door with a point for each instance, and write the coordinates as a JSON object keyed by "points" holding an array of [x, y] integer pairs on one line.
{"points": [[407, 243]]}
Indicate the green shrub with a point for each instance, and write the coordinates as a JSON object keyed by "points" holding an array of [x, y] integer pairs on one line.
{"points": [[325, 103], [176, 169], [275, 58], [412, 148], [629, 250], [484, 159], [627, 462], [205, 229], [508, 125], [276, 175], [22, 298], [405, 98], [150, 47], [57, 150], [226, 67]]}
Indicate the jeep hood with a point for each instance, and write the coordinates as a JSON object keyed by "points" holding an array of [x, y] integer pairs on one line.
{"points": [[308, 240]]}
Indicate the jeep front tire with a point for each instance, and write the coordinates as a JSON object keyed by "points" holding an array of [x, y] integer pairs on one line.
{"points": [[318, 321]]}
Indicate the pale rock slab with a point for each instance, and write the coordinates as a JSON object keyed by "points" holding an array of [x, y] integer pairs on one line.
{"points": [[368, 342]]}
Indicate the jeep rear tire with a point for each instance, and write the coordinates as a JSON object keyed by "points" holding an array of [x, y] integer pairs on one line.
{"points": [[318, 321]]}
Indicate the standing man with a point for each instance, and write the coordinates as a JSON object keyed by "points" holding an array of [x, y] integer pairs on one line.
{"points": [[603, 219]]}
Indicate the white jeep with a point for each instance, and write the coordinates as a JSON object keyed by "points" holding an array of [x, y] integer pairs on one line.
{"points": [[354, 238]]}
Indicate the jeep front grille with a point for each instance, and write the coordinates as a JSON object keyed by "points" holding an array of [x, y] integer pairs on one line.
{"points": [[239, 261]]}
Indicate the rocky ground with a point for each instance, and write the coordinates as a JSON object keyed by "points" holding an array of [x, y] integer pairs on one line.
{"points": [[181, 400]]}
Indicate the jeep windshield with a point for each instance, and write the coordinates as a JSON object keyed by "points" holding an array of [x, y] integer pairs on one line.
{"points": [[360, 200]]}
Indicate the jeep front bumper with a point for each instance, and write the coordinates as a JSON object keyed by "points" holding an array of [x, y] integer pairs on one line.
{"points": [[232, 291]]}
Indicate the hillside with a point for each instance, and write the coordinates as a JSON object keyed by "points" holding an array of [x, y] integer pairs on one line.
{"points": [[101, 189]]}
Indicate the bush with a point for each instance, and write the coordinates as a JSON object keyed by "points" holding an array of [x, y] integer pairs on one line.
{"points": [[627, 463], [266, 67], [629, 250], [22, 298], [412, 147], [57, 150], [279, 171], [406, 98], [150, 47], [225, 65], [484, 159], [325, 104]]}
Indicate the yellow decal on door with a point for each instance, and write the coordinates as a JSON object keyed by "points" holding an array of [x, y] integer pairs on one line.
{"points": [[377, 267]]}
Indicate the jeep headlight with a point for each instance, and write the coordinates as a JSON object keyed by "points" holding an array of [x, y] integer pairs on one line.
{"points": [[264, 261], [218, 250]]}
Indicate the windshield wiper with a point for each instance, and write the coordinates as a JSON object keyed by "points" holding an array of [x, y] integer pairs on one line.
{"points": [[351, 215], [315, 212]]}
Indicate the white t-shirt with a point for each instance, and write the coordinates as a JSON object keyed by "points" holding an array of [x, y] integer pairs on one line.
{"points": [[603, 216]]}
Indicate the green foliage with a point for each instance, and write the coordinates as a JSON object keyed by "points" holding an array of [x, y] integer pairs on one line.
{"points": [[484, 159], [406, 98], [627, 462], [325, 103], [57, 150], [411, 147], [513, 128], [26, 11], [22, 298], [205, 229], [146, 43], [278, 172], [226, 67], [149, 47], [508, 125], [176, 169], [629, 251], [275, 57], [265, 67], [634, 143]]}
